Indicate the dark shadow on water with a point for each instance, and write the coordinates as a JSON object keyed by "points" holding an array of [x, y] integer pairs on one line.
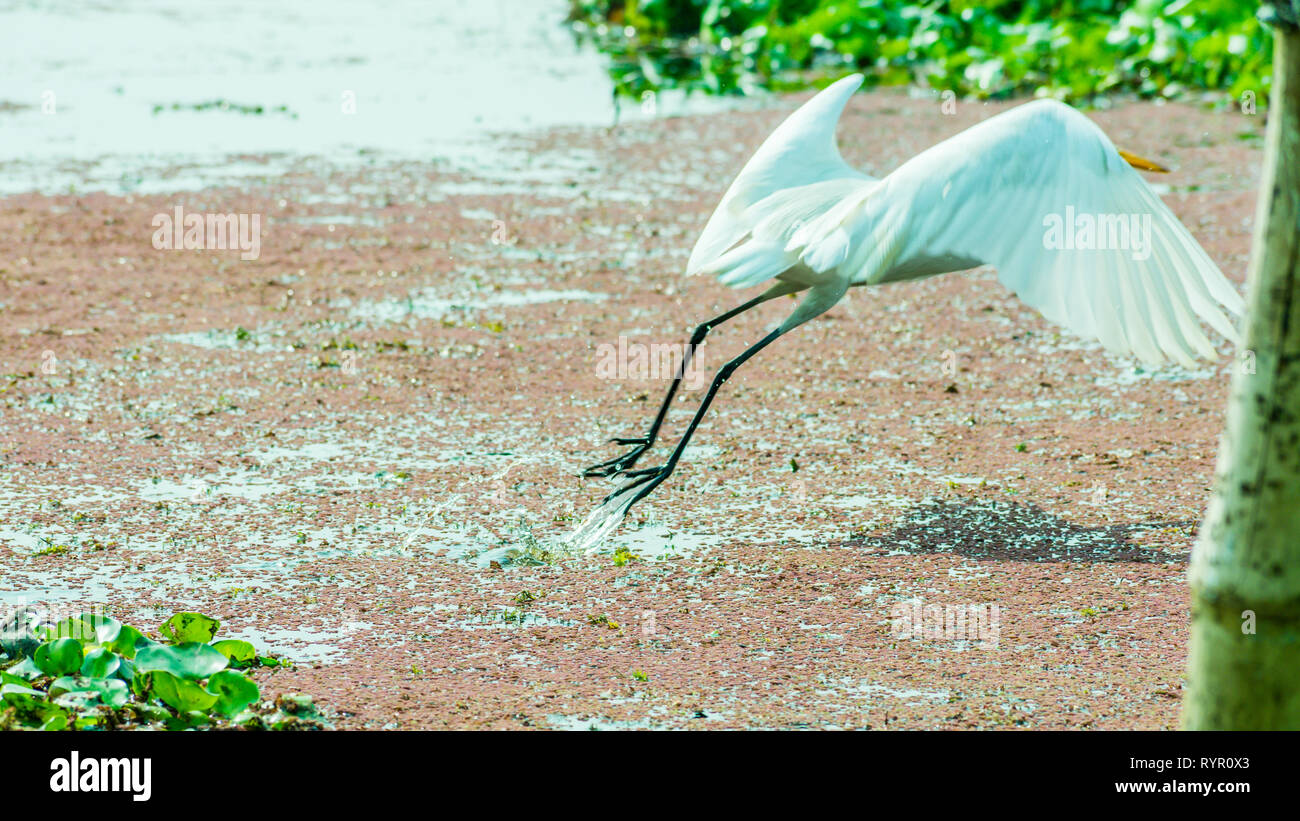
{"points": [[1002, 531]]}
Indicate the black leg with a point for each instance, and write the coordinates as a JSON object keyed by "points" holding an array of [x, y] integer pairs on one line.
{"points": [[648, 479], [620, 464]]}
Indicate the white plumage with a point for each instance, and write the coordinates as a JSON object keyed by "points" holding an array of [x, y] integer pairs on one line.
{"points": [[990, 195], [1039, 192]]}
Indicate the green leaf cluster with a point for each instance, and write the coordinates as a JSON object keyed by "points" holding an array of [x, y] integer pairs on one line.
{"points": [[1072, 50], [93, 672]]}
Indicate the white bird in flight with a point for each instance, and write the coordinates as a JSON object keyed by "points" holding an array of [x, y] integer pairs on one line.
{"points": [[1039, 192]]}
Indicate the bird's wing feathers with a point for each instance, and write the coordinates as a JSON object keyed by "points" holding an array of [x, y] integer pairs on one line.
{"points": [[1042, 194], [796, 175], [1016, 191], [784, 228]]}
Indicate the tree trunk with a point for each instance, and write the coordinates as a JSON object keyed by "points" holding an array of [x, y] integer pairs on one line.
{"points": [[1244, 660]]}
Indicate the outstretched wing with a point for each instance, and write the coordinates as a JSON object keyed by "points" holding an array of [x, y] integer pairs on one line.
{"points": [[1042, 194], [796, 175]]}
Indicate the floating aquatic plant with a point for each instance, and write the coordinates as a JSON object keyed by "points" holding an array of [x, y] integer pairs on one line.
{"points": [[93, 672], [988, 49]]}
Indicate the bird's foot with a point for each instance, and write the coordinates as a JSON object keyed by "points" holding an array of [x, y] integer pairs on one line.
{"points": [[606, 517], [642, 472], [643, 482], [620, 464]]}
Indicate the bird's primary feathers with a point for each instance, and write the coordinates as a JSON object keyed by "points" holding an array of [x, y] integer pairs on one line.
{"points": [[1039, 192]]}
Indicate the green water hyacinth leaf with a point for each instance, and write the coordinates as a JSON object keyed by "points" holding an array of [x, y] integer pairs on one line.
{"points": [[150, 712], [234, 691], [181, 695], [70, 628], [9, 678], [80, 689], [106, 629], [187, 721], [191, 660], [80, 701], [240, 653], [13, 693], [55, 722], [113, 692], [95, 673], [100, 663], [30, 710], [25, 669], [1079, 47], [65, 684], [128, 641], [187, 627], [59, 657]]}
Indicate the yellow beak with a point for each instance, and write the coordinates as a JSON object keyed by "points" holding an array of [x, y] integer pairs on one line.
{"points": [[1142, 163]]}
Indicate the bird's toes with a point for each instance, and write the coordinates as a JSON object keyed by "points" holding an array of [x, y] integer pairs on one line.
{"points": [[643, 471], [631, 440]]}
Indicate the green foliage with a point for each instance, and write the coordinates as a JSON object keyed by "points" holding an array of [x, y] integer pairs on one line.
{"points": [[1072, 50], [180, 694], [190, 660], [100, 663], [58, 657], [85, 691], [128, 640], [185, 627], [92, 672], [233, 691], [238, 653]]}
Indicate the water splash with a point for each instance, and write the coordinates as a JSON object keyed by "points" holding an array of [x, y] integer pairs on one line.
{"points": [[603, 520]]}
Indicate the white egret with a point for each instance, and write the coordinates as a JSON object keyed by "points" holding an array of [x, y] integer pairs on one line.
{"points": [[1039, 192]]}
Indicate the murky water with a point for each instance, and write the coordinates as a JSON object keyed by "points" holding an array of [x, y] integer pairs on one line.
{"points": [[114, 96]]}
